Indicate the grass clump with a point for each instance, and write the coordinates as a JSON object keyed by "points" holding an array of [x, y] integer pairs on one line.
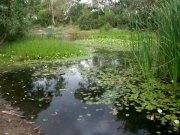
{"points": [[40, 49]]}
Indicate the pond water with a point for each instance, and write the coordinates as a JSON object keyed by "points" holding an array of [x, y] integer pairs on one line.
{"points": [[55, 97]]}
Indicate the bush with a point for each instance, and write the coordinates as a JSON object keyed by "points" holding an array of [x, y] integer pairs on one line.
{"points": [[122, 20], [75, 12], [14, 20], [44, 17], [91, 21], [84, 23], [106, 27], [110, 18]]}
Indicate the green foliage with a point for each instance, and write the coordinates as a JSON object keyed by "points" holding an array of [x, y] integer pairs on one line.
{"points": [[127, 87], [44, 17], [114, 39], [90, 21], [13, 18], [160, 54], [106, 27], [39, 49], [168, 20], [122, 14], [75, 12], [111, 18], [122, 20]]}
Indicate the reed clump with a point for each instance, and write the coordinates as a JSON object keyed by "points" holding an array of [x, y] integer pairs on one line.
{"points": [[158, 52]]}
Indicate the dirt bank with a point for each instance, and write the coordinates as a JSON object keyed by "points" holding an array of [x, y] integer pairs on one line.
{"points": [[11, 122]]}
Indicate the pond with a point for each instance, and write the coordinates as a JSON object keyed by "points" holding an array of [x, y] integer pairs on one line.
{"points": [[56, 97]]}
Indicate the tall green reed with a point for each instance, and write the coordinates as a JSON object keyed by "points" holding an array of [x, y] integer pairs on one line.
{"points": [[168, 20], [158, 53]]}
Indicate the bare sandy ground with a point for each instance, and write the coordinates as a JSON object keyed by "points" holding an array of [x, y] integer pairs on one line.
{"points": [[11, 122]]}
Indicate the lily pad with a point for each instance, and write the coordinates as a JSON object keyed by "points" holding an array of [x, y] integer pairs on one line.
{"points": [[159, 111], [176, 121], [88, 114]]}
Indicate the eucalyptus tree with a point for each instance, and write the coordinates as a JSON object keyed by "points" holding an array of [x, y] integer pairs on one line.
{"points": [[57, 9]]}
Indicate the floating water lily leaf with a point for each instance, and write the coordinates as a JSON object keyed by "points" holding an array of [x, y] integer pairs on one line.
{"points": [[158, 132], [159, 110], [139, 110], [169, 131], [99, 110], [176, 121], [88, 114], [84, 107], [79, 119], [45, 119], [118, 104]]}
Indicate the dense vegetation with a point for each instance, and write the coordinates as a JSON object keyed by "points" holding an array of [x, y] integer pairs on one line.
{"points": [[39, 49], [97, 14]]}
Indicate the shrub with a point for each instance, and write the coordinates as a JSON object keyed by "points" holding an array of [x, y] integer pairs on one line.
{"points": [[110, 18], [91, 21], [44, 17], [106, 27]]}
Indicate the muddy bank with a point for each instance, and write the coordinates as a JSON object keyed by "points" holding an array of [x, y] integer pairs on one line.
{"points": [[11, 124]]}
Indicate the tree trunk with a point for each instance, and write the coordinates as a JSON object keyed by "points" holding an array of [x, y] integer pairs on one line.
{"points": [[2, 39], [6, 31], [52, 12]]}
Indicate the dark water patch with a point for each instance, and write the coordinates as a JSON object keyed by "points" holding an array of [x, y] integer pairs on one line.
{"points": [[61, 103]]}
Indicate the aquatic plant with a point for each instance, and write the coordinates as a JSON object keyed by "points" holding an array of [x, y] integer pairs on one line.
{"points": [[159, 55], [123, 89]]}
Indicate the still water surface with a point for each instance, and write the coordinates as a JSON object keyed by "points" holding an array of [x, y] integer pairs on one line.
{"points": [[53, 95]]}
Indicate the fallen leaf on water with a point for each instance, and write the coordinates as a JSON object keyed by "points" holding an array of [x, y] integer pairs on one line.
{"points": [[54, 114], [158, 132]]}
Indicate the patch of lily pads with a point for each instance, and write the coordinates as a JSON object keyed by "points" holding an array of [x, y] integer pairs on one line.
{"points": [[121, 88]]}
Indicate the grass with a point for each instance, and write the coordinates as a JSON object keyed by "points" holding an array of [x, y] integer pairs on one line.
{"points": [[113, 39], [36, 49], [108, 38]]}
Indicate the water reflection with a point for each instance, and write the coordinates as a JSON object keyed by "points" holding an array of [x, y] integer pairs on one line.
{"points": [[58, 103], [16, 87]]}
